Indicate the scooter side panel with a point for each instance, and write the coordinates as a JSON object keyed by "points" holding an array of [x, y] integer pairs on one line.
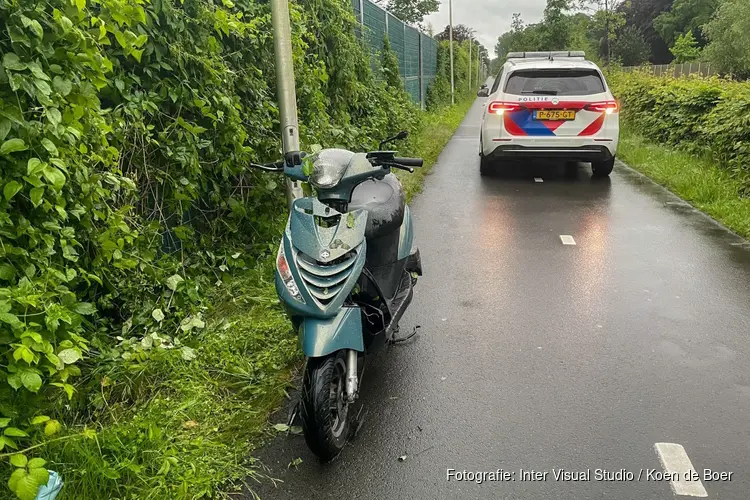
{"points": [[325, 243], [322, 336], [406, 236], [310, 306], [324, 284]]}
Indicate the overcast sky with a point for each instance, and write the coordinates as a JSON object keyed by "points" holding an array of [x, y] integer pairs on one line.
{"points": [[490, 18]]}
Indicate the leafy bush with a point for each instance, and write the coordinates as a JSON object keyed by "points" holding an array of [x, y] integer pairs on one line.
{"points": [[728, 33], [126, 129], [685, 48], [439, 93], [697, 114]]}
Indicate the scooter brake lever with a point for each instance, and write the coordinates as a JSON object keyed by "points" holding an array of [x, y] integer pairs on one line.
{"points": [[401, 167]]}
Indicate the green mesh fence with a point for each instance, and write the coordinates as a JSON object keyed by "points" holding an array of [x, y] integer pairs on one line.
{"points": [[429, 61], [416, 52]]}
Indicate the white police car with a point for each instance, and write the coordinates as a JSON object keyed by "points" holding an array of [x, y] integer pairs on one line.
{"points": [[550, 105]]}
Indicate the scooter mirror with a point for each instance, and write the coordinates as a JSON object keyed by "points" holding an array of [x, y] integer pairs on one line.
{"points": [[401, 135]]}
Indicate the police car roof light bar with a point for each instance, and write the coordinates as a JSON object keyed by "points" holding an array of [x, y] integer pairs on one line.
{"points": [[577, 54]]}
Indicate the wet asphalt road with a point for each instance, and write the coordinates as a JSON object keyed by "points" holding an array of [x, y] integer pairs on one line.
{"points": [[536, 355]]}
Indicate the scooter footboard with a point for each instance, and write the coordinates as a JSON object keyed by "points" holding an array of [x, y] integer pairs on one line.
{"points": [[322, 336]]}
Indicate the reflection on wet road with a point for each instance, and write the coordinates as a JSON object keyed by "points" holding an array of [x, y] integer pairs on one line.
{"points": [[534, 354]]}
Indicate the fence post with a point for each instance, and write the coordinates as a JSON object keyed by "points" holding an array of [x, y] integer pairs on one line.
{"points": [[469, 64], [421, 73], [406, 71], [362, 15]]}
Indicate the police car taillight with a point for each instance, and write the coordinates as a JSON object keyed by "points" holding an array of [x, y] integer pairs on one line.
{"points": [[501, 107], [608, 107]]}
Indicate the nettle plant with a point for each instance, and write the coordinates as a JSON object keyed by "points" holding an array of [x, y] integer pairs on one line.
{"points": [[125, 130], [58, 227]]}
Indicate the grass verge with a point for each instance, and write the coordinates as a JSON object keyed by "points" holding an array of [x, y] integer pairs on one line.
{"points": [[176, 428], [717, 191], [185, 428], [437, 128]]}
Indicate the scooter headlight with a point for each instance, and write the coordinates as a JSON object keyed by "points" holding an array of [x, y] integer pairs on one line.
{"points": [[329, 167], [282, 266]]}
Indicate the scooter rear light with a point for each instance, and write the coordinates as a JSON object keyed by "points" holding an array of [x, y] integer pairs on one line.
{"points": [[282, 266]]}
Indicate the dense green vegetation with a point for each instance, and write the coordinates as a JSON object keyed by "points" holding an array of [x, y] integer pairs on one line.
{"points": [[698, 139], [461, 34], [697, 178], [698, 115], [142, 344], [631, 32]]}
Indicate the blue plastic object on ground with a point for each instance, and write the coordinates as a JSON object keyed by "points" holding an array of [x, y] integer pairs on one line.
{"points": [[50, 490]]}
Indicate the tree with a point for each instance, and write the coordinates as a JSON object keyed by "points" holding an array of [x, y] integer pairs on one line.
{"points": [[684, 16], [641, 14], [520, 38], [729, 37], [412, 11], [605, 26], [630, 47], [461, 32], [508, 41], [556, 25], [495, 65], [582, 36], [685, 48]]}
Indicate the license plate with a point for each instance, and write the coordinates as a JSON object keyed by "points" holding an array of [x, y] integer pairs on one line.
{"points": [[554, 114]]}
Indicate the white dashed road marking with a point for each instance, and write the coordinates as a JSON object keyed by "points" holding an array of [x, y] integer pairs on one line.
{"points": [[567, 239], [675, 461], [538, 179]]}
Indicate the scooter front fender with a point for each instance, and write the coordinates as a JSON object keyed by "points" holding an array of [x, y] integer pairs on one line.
{"points": [[322, 336]]}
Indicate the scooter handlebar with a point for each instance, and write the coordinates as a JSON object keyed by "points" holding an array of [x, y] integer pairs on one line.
{"points": [[408, 162], [277, 166]]}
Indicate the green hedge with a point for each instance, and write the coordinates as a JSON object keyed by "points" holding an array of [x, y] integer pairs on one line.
{"points": [[126, 128], [697, 114], [439, 93]]}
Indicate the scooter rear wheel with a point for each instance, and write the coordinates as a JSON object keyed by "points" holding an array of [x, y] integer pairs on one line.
{"points": [[324, 410]]}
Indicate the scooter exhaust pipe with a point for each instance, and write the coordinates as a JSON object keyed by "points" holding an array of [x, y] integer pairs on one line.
{"points": [[351, 375]]}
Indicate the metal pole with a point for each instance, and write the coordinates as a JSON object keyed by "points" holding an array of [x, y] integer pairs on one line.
{"points": [[287, 95], [421, 73], [478, 64], [450, 38], [469, 64], [403, 57], [606, 12], [362, 14]]}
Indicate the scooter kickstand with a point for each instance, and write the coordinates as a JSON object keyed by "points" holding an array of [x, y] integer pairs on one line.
{"points": [[395, 341], [293, 414], [358, 422]]}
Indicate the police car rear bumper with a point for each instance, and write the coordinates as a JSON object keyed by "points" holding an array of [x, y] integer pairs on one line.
{"points": [[579, 153]]}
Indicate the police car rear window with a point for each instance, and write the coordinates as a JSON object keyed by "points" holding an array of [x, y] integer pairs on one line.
{"points": [[554, 82]]}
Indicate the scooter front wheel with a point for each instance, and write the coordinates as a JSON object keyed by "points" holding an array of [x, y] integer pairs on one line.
{"points": [[325, 410]]}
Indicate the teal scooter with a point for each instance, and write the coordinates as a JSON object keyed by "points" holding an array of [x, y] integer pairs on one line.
{"points": [[345, 273]]}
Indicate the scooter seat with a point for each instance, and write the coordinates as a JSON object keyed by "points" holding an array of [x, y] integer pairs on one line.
{"points": [[384, 201]]}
